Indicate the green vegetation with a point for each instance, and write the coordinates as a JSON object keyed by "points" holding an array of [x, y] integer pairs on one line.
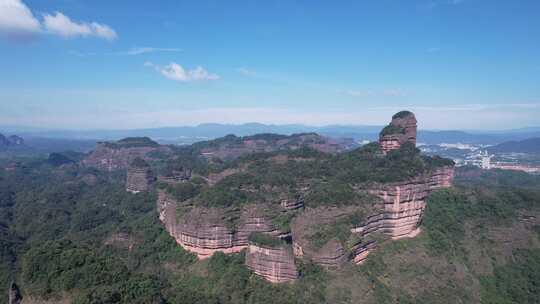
{"points": [[402, 114], [64, 239], [265, 240], [516, 282], [132, 142], [340, 230], [391, 129], [139, 163], [262, 179]]}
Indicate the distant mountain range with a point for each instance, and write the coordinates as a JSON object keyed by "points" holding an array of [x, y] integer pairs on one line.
{"points": [[190, 134], [531, 145]]}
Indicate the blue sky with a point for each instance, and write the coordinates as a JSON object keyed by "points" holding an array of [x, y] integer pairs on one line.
{"points": [[469, 64]]}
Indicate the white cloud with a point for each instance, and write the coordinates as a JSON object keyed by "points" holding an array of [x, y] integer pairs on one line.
{"points": [[176, 72], [246, 72], [62, 25], [144, 50], [16, 18]]}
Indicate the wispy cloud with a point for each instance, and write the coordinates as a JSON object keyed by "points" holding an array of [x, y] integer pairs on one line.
{"points": [[433, 50], [246, 72], [16, 19], [63, 26], [176, 72], [144, 50]]}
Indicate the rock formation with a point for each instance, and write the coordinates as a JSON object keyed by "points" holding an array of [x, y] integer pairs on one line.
{"points": [[275, 264], [12, 140], [118, 155], [328, 235], [313, 234], [404, 203], [292, 204], [15, 296], [205, 231], [175, 176], [401, 129], [231, 147], [140, 177]]}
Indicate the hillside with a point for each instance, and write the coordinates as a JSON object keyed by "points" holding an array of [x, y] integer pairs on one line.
{"points": [[531, 145], [377, 224]]}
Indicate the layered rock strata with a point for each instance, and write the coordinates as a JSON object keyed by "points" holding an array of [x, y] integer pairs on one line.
{"points": [[274, 264], [306, 231], [112, 156], [401, 129], [361, 251], [140, 178], [292, 204], [176, 176], [404, 203], [205, 231]]}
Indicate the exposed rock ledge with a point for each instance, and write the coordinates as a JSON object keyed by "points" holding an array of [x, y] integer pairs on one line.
{"points": [[205, 231], [274, 264]]}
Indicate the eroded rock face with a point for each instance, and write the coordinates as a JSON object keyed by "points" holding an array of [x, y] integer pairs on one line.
{"points": [[15, 296], [274, 264], [404, 203], [232, 147], [119, 155], [331, 253], [401, 129], [140, 178], [176, 176], [205, 231]]}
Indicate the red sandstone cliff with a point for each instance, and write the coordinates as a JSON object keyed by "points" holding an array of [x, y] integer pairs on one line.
{"points": [[274, 264], [112, 156], [401, 129]]}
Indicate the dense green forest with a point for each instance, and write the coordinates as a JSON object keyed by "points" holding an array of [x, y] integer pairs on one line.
{"points": [[74, 235]]}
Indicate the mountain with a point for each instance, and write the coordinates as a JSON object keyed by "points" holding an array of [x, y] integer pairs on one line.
{"points": [[531, 145], [207, 131], [10, 141]]}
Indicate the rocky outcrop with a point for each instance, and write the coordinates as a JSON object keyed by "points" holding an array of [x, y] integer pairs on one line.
{"points": [[404, 203], [361, 251], [205, 231], [140, 177], [231, 147], [15, 296], [401, 129], [9, 141], [314, 234], [176, 176], [292, 204], [118, 155], [275, 264]]}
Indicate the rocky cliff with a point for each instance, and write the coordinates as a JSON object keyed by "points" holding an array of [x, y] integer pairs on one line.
{"points": [[231, 147], [275, 264], [404, 203], [118, 155], [15, 296], [140, 177], [401, 129], [332, 209], [205, 231]]}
